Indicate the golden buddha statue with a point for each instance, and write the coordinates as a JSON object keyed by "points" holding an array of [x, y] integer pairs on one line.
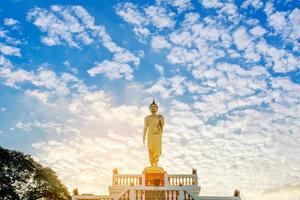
{"points": [[153, 128]]}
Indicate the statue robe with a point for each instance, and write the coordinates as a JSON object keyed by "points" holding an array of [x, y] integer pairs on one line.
{"points": [[154, 124]]}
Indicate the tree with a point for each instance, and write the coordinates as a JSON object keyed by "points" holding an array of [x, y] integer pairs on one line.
{"points": [[23, 178], [75, 192]]}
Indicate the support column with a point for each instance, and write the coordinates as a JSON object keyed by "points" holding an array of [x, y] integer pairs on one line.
{"points": [[181, 195], [132, 194], [166, 179], [143, 179]]}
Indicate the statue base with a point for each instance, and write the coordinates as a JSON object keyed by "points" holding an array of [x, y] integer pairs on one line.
{"points": [[154, 176], [154, 170]]}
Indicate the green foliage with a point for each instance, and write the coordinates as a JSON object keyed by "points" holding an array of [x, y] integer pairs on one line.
{"points": [[23, 178]]}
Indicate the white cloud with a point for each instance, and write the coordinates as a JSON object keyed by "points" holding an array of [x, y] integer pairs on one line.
{"points": [[277, 20], [194, 88], [258, 31], [286, 25], [4, 35], [10, 22], [211, 3], [113, 70], [221, 141], [118, 67], [15, 76], [160, 17], [177, 86], [126, 57], [230, 11], [48, 127], [256, 4], [159, 68], [62, 25], [183, 38], [130, 13], [9, 50], [50, 41], [279, 59], [269, 8], [168, 87], [190, 18], [107, 41], [155, 16], [4, 62], [23, 126], [294, 20], [210, 33], [160, 88], [241, 38], [70, 67], [159, 42], [243, 41], [92, 126], [141, 32], [223, 89], [180, 55], [288, 192], [46, 80], [181, 5], [41, 96], [74, 26], [71, 25]]}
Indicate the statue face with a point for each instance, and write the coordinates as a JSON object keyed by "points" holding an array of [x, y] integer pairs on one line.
{"points": [[153, 108]]}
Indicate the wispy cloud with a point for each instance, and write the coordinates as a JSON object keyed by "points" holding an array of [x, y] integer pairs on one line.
{"points": [[73, 25]]}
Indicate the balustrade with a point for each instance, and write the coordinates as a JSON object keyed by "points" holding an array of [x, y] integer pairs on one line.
{"points": [[127, 180], [182, 180], [136, 180]]}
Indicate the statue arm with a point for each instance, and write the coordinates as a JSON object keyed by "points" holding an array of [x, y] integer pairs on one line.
{"points": [[145, 129]]}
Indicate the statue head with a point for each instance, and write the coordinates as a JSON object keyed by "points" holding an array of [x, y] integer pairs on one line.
{"points": [[153, 107]]}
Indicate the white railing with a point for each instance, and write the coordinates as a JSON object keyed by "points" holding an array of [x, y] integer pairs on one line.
{"points": [[127, 180], [171, 180], [182, 179]]}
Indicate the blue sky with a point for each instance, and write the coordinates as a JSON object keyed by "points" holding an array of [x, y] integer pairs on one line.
{"points": [[76, 79]]}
